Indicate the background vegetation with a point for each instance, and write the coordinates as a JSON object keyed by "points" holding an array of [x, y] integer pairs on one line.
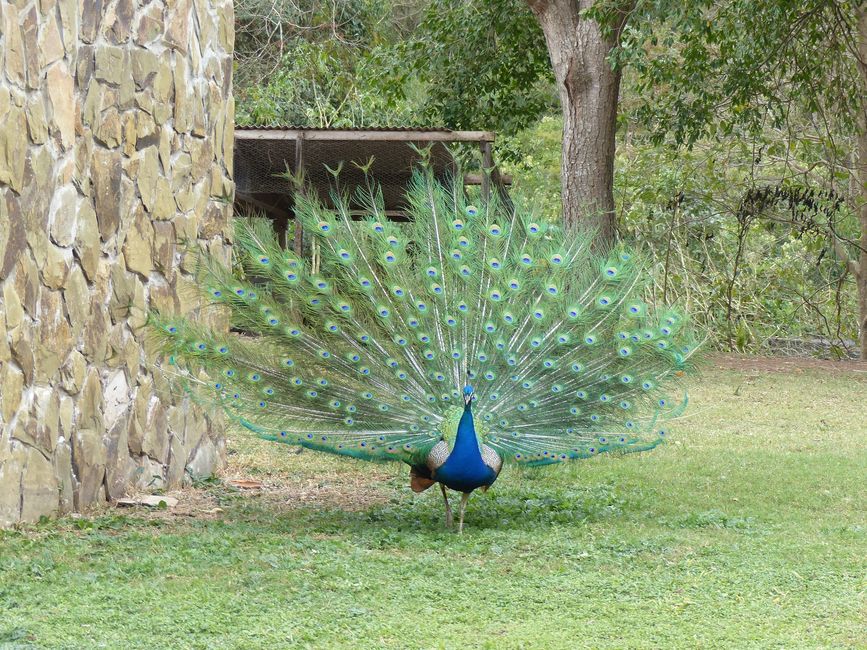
{"points": [[734, 167]]}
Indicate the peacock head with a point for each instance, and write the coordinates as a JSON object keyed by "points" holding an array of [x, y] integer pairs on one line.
{"points": [[468, 397]]}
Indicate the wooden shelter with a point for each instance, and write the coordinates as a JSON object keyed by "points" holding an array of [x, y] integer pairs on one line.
{"points": [[264, 155]]}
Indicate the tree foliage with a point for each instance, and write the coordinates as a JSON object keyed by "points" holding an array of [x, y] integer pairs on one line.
{"points": [[708, 68]]}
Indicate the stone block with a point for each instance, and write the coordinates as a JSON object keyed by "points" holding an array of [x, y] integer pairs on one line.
{"points": [[73, 372], [203, 459], [117, 22], [178, 31], [165, 244], [51, 47], [61, 103], [108, 128], [63, 476], [39, 489], [165, 203], [14, 46], [88, 462], [145, 65], [76, 298], [112, 63], [12, 464], [30, 38], [62, 215], [11, 387], [86, 244], [120, 468], [105, 173], [37, 123], [55, 336], [146, 178], [54, 264], [45, 416], [13, 236], [13, 306], [149, 24], [139, 243], [13, 146]]}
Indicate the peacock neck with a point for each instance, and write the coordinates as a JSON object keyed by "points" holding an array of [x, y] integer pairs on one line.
{"points": [[466, 441]]}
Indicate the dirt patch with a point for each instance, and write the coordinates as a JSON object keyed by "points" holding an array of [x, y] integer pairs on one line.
{"points": [[350, 491], [727, 361], [345, 490]]}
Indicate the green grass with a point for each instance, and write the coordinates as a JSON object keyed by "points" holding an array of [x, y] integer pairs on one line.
{"points": [[747, 530]]}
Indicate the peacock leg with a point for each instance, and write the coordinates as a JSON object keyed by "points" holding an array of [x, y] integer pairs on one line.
{"points": [[464, 497], [449, 519]]}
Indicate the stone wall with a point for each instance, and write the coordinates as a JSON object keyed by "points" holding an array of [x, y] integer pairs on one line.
{"points": [[116, 134]]}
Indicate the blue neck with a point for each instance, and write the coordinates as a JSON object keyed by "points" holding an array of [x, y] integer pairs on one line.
{"points": [[466, 442]]}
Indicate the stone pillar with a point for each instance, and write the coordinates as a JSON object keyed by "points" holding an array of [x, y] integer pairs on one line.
{"points": [[116, 135]]}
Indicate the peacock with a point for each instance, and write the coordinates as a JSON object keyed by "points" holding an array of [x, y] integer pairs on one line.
{"points": [[461, 341]]}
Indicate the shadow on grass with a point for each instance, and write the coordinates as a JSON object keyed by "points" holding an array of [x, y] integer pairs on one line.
{"points": [[523, 508]]}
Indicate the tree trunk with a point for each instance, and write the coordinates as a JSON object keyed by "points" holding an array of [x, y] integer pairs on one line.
{"points": [[860, 270], [589, 89]]}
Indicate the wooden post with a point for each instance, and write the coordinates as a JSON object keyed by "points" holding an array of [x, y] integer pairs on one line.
{"points": [[487, 165], [299, 169]]}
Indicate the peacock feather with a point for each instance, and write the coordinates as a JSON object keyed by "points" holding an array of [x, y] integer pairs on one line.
{"points": [[366, 348]]}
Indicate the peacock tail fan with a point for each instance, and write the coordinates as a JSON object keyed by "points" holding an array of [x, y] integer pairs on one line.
{"points": [[365, 350]]}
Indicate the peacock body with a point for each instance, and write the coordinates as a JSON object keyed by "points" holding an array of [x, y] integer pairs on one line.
{"points": [[458, 342]]}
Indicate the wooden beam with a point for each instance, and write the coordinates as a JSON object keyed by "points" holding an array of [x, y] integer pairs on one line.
{"points": [[350, 134], [476, 179], [487, 169], [272, 211], [299, 167]]}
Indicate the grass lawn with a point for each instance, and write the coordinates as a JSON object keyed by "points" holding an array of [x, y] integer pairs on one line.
{"points": [[747, 530]]}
